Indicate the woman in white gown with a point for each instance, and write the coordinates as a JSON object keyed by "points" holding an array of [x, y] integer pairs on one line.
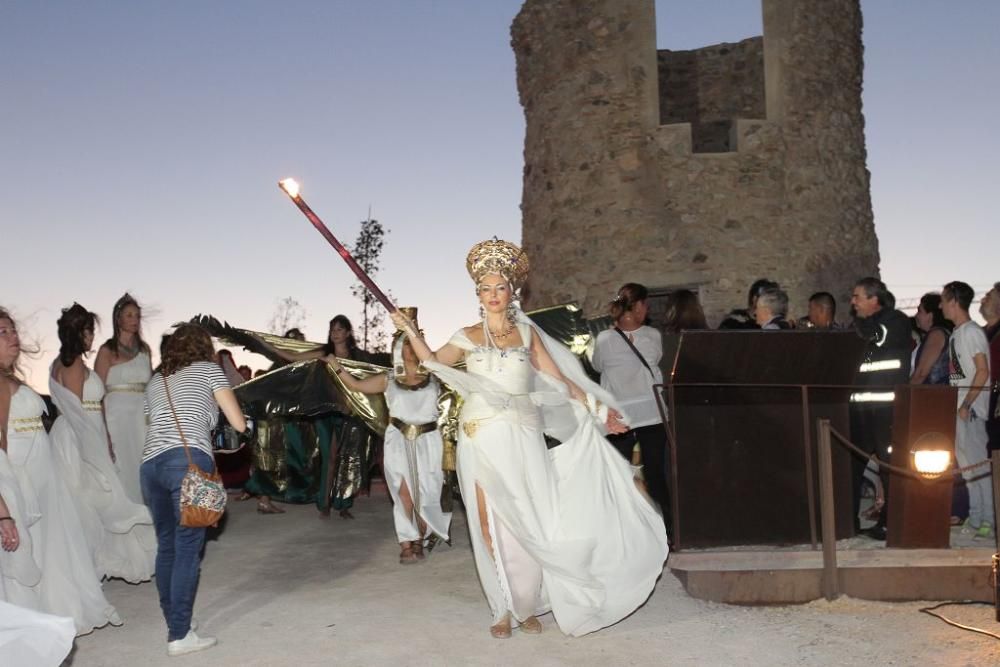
{"points": [[124, 366], [413, 447], [67, 582], [563, 530], [119, 531]]}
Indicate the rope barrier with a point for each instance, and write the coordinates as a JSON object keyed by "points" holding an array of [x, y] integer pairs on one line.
{"points": [[905, 472]]}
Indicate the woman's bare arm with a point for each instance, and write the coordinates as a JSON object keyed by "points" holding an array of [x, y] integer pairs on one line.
{"points": [[933, 345], [449, 355], [102, 364], [542, 360], [285, 355], [231, 408], [373, 384], [5, 394]]}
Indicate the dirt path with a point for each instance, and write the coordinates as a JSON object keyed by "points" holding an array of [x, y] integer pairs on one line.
{"points": [[296, 590]]}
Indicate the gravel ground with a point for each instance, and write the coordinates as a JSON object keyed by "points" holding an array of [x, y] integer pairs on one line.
{"points": [[294, 589]]}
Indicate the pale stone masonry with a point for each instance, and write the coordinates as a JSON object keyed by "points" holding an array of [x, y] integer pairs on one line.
{"points": [[771, 183]]}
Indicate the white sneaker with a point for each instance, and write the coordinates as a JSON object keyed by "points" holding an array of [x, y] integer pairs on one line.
{"points": [[194, 624], [189, 644]]}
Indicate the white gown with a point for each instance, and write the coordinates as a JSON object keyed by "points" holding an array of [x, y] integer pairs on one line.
{"points": [[403, 459], [119, 531], [123, 408], [30, 638], [571, 532], [69, 584]]}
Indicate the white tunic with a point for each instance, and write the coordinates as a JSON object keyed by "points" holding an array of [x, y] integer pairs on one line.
{"points": [[123, 408], [119, 530], [402, 459]]}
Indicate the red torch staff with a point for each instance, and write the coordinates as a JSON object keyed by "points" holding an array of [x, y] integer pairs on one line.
{"points": [[291, 188]]}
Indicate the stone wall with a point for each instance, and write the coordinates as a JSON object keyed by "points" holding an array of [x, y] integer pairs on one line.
{"points": [[611, 195], [711, 87]]}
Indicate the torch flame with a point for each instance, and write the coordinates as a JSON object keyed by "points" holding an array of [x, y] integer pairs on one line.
{"points": [[291, 186]]}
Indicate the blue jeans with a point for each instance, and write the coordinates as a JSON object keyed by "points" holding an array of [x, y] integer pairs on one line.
{"points": [[178, 555]]}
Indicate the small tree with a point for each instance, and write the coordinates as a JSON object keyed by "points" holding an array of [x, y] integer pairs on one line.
{"points": [[367, 252], [288, 314]]}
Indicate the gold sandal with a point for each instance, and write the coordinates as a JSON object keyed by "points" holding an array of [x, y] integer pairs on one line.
{"points": [[501, 630], [531, 626], [406, 555], [268, 508]]}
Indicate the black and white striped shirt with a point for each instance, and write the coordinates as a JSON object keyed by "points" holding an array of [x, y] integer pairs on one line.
{"points": [[192, 389]]}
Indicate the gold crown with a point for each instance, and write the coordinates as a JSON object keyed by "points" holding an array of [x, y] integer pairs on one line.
{"points": [[500, 257]]}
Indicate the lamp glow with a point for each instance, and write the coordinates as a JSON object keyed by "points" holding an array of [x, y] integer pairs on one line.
{"points": [[931, 462], [290, 186]]}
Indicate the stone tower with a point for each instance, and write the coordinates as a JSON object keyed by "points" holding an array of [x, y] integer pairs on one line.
{"points": [[703, 169]]}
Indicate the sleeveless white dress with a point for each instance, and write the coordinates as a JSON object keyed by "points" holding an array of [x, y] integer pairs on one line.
{"points": [[416, 462], [119, 531], [571, 532], [123, 409], [68, 584]]}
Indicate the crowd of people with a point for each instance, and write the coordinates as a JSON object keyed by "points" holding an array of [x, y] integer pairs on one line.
{"points": [[97, 495], [941, 344]]}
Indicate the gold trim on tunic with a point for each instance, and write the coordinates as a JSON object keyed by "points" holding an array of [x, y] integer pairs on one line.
{"points": [[92, 406], [27, 424], [134, 388]]}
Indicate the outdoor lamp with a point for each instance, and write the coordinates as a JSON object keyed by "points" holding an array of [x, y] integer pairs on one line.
{"points": [[931, 454]]}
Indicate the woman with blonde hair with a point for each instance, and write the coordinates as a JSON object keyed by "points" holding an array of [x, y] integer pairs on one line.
{"points": [[67, 584], [565, 530]]}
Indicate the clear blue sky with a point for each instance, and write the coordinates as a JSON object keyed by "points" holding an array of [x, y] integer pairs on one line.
{"points": [[141, 142]]}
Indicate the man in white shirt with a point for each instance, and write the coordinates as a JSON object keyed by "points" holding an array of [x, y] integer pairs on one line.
{"points": [[969, 356]]}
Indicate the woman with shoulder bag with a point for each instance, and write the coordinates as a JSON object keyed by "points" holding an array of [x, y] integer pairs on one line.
{"points": [[628, 358], [182, 400]]}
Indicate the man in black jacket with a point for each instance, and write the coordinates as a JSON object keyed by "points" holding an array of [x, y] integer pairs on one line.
{"points": [[886, 364]]}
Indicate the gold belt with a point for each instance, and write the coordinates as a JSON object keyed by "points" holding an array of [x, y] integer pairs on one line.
{"points": [[135, 388], [412, 431], [92, 406], [27, 424]]}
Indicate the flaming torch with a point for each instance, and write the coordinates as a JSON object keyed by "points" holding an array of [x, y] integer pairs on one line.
{"points": [[291, 188]]}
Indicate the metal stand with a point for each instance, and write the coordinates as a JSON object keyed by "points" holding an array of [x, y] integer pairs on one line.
{"points": [[831, 583]]}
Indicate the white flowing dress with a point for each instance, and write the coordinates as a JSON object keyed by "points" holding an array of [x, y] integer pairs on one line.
{"points": [[30, 638], [68, 584], [123, 408], [571, 532], [119, 531], [416, 462]]}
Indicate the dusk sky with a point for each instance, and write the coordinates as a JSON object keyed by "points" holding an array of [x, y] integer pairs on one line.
{"points": [[141, 143]]}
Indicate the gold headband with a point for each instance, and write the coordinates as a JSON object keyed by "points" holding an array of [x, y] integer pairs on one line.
{"points": [[500, 257]]}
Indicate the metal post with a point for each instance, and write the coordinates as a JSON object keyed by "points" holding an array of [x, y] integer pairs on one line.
{"points": [[831, 583], [807, 453]]}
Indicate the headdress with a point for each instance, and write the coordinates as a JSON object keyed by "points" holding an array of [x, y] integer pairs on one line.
{"points": [[500, 257], [398, 338]]}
